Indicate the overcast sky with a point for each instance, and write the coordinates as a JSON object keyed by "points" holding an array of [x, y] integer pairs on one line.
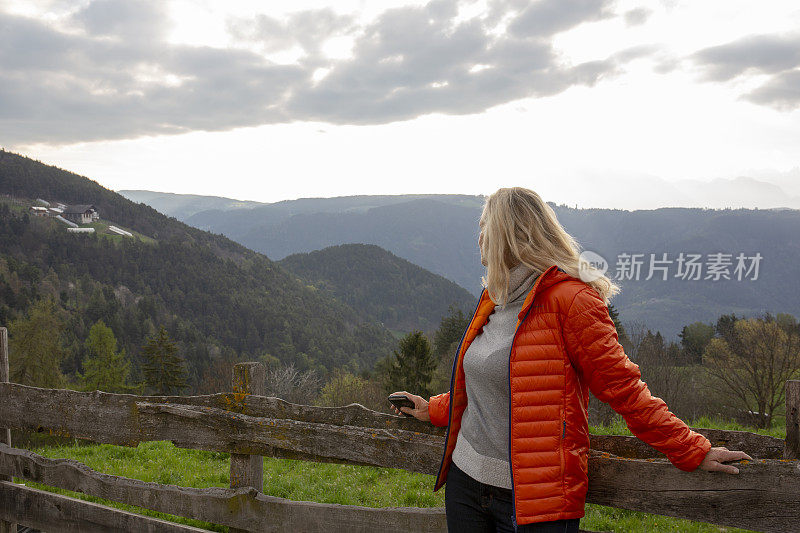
{"points": [[594, 103]]}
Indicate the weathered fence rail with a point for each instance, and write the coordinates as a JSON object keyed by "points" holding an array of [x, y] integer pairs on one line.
{"points": [[52, 512], [243, 508], [623, 471], [202, 422]]}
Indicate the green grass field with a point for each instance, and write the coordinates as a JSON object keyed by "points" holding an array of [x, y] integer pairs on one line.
{"points": [[162, 462], [618, 427], [101, 228]]}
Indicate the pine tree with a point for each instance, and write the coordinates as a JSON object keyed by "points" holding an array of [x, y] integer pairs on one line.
{"points": [[445, 343], [694, 339], [622, 335], [36, 349], [450, 331], [105, 369], [412, 367], [164, 369]]}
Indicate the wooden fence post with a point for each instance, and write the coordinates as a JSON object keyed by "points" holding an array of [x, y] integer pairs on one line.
{"points": [[5, 433], [248, 470], [792, 448]]}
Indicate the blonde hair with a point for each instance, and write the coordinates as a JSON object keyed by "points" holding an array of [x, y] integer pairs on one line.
{"points": [[519, 227]]}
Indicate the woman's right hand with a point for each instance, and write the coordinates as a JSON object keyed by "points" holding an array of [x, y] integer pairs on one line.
{"points": [[715, 457], [420, 410]]}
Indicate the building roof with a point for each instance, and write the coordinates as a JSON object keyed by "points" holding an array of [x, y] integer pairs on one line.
{"points": [[79, 209]]}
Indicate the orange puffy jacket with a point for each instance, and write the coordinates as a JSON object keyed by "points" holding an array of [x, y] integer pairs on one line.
{"points": [[565, 344]]}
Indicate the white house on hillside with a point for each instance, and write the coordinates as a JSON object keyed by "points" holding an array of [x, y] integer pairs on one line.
{"points": [[82, 214]]}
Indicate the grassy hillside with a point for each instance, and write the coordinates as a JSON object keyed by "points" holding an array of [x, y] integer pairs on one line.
{"points": [[217, 298], [381, 286]]}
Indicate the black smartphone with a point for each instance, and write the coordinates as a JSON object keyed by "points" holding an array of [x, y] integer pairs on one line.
{"points": [[401, 400]]}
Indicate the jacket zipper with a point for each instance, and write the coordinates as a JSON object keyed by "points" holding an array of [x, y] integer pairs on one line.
{"points": [[452, 385], [510, 409], [562, 448], [510, 464]]}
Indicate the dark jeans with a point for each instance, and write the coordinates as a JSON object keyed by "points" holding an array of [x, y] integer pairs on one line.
{"points": [[474, 507]]}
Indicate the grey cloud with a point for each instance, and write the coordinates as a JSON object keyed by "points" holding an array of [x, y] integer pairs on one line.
{"points": [[665, 65], [132, 20], [442, 9], [307, 29], [29, 45], [637, 16], [636, 52], [782, 92], [761, 53], [498, 9], [547, 17], [774, 55], [410, 61], [62, 88], [413, 61], [270, 32]]}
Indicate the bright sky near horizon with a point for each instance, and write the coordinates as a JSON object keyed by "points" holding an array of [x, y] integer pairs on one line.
{"points": [[595, 103]]}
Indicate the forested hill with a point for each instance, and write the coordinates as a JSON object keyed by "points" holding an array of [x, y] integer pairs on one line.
{"points": [[217, 298], [382, 286]]}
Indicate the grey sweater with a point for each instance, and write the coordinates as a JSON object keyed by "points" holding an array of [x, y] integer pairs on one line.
{"points": [[482, 443]]}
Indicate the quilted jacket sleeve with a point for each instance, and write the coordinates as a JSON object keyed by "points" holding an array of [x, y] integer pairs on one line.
{"points": [[592, 344], [439, 409]]}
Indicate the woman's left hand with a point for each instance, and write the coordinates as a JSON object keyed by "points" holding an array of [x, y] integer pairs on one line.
{"points": [[716, 456]]}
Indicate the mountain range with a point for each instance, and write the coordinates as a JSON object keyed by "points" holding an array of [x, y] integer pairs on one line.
{"points": [[439, 233]]}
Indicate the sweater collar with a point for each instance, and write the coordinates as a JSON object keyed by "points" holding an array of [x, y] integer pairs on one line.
{"points": [[520, 280], [548, 278]]}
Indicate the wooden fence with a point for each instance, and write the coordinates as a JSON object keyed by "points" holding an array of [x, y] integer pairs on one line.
{"points": [[623, 471]]}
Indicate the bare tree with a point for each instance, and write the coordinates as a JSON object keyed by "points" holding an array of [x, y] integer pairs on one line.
{"points": [[659, 363], [637, 332], [288, 383], [345, 388], [752, 360]]}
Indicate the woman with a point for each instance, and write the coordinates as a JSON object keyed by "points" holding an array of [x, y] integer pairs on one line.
{"points": [[517, 428]]}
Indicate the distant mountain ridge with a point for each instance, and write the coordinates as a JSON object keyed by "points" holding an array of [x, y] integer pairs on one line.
{"points": [[440, 235], [651, 192], [399, 294], [182, 206]]}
